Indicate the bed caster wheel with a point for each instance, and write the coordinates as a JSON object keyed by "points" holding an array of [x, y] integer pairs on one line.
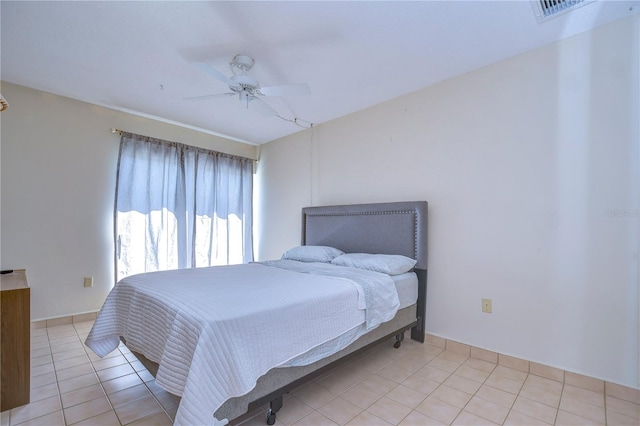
{"points": [[399, 339], [271, 417]]}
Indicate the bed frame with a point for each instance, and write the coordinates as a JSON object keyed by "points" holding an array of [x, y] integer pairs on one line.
{"points": [[381, 228]]}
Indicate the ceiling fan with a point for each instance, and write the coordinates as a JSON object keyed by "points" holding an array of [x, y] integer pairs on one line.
{"points": [[247, 88]]}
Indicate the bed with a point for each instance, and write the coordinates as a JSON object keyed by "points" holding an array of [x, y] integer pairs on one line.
{"points": [[224, 361]]}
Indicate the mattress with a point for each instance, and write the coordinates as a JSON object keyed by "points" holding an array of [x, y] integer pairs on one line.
{"points": [[214, 345], [407, 287]]}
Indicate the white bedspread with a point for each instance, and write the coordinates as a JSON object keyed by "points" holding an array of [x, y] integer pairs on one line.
{"points": [[215, 331]]}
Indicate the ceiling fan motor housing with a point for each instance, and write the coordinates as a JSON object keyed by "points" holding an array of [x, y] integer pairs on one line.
{"points": [[244, 84]]}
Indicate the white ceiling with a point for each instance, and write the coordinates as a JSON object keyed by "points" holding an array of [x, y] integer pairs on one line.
{"points": [[137, 56]]}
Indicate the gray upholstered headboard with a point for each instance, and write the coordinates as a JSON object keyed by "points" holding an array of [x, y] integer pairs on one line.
{"points": [[381, 228]]}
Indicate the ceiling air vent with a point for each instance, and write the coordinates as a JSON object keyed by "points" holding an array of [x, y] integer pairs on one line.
{"points": [[545, 9]]}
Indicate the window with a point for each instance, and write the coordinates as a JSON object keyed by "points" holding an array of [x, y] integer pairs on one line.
{"points": [[179, 206]]}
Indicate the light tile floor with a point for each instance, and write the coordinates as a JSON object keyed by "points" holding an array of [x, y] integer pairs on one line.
{"points": [[417, 384]]}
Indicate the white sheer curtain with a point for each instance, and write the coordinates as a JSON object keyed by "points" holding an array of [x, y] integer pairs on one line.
{"points": [[179, 206]]}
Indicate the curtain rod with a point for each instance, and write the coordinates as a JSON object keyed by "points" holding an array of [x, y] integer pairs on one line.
{"points": [[120, 132]]}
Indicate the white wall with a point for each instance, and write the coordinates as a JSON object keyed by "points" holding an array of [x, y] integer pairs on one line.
{"points": [[58, 174], [523, 163]]}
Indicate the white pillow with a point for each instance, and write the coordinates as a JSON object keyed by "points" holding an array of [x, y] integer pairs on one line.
{"points": [[312, 254], [390, 264]]}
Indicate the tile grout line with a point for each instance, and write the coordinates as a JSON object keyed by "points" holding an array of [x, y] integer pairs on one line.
{"points": [[442, 383], [474, 394], [450, 374], [555, 420], [153, 395], [99, 380], [426, 396], [64, 417], [606, 416], [55, 373], [518, 395], [379, 396]]}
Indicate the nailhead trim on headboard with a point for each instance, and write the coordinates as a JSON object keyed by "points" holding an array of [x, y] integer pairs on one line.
{"points": [[388, 212]]}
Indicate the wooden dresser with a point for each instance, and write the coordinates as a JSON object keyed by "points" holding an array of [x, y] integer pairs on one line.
{"points": [[15, 339]]}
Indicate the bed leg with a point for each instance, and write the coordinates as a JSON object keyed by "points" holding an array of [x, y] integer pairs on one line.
{"points": [[274, 406], [418, 331], [399, 339]]}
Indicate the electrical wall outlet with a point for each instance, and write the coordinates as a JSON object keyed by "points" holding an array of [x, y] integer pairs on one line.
{"points": [[88, 282], [487, 306]]}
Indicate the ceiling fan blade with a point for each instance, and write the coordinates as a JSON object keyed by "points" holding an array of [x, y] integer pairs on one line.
{"points": [[262, 107], [205, 97], [300, 89], [217, 74]]}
